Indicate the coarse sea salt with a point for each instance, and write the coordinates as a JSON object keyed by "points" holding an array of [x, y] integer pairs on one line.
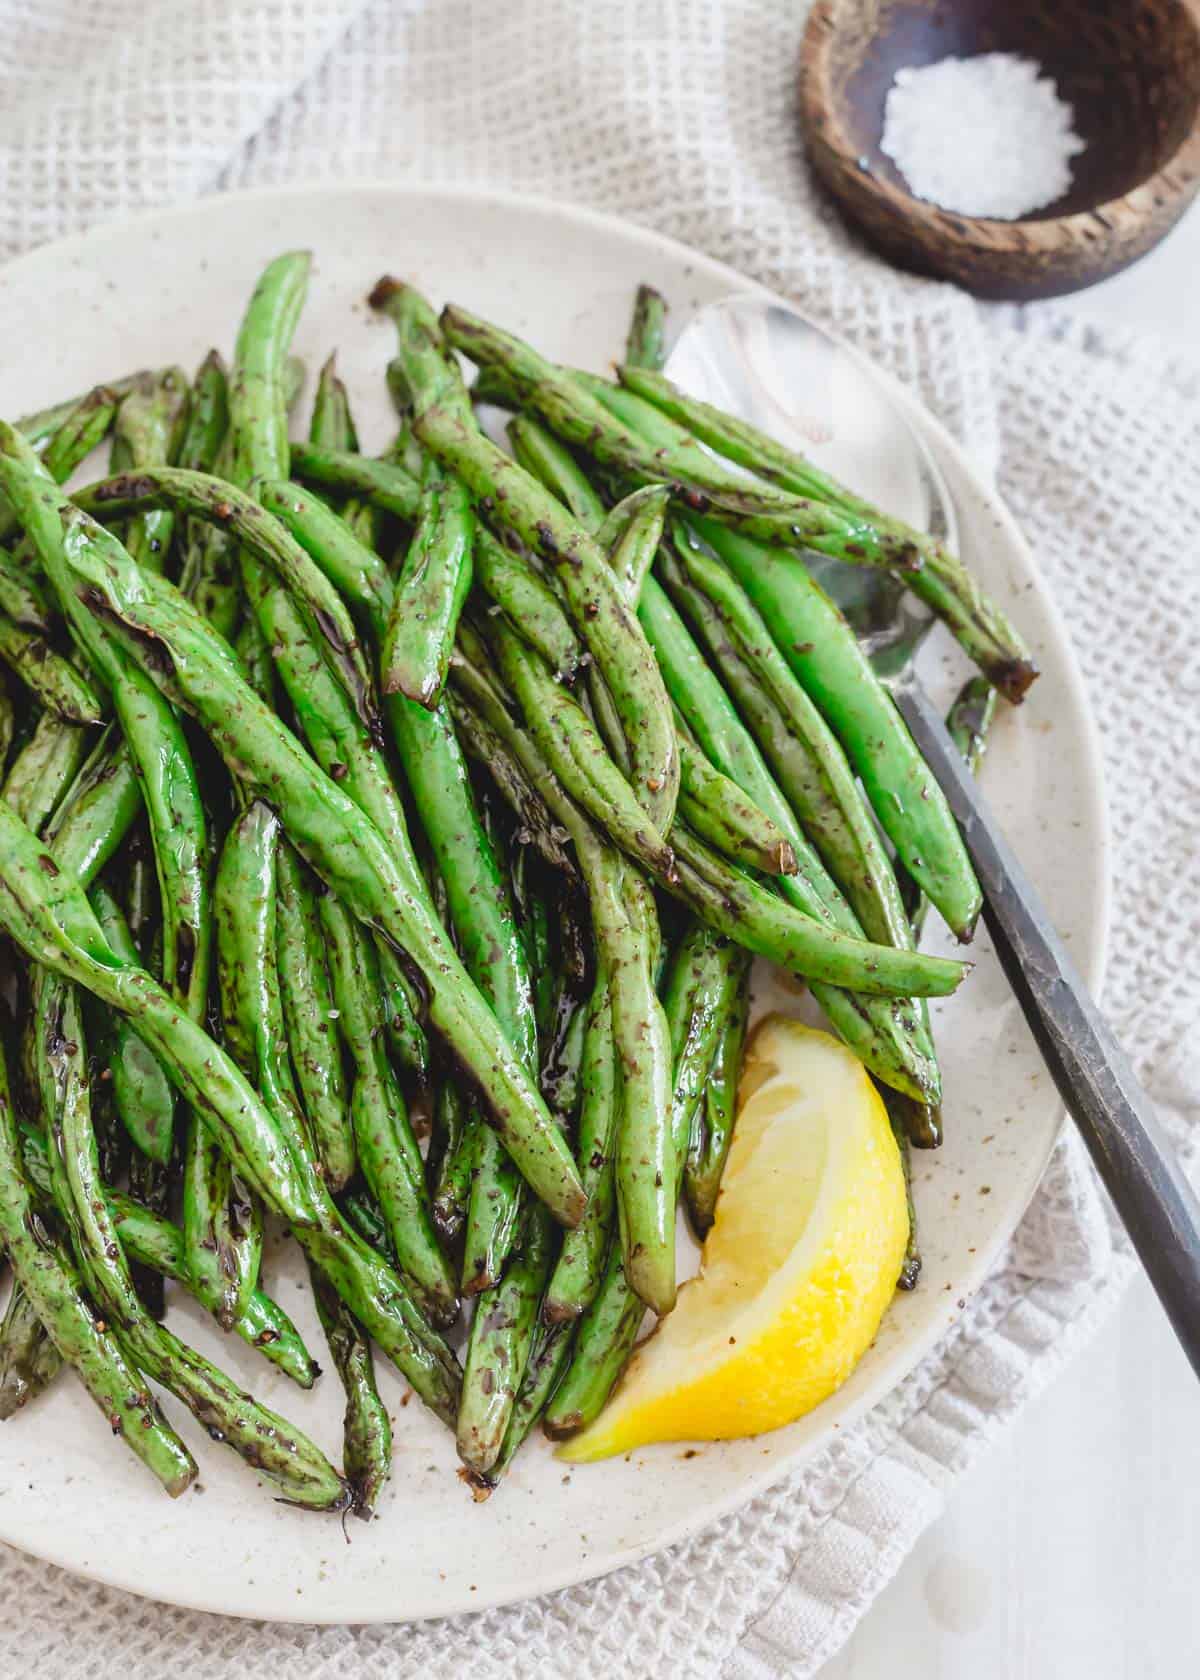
{"points": [[986, 136]]}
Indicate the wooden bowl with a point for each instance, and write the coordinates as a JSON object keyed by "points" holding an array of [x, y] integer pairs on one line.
{"points": [[1129, 68]]}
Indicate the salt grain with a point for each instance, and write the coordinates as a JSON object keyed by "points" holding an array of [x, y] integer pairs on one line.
{"points": [[986, 136]]}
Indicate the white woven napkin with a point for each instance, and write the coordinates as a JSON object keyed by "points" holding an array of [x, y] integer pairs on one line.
{"points": [[680, 114]]}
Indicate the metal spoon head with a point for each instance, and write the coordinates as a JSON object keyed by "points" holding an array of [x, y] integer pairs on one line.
{"points": [[773, 367]]}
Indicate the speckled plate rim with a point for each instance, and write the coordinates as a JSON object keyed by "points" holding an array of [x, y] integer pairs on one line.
{"points": [[842, 1412]]}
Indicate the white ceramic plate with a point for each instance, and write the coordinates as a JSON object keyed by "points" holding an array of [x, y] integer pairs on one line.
{"points": [[165, 288]]}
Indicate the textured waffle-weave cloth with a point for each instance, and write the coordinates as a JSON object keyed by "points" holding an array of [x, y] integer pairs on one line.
{"points": [[681, 115]]}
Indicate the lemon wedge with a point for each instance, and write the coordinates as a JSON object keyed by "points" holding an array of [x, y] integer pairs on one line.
{"points": [[798, 1269]]}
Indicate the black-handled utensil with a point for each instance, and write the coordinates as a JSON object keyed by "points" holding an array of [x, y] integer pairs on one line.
{"points": [[1158, 1206]]}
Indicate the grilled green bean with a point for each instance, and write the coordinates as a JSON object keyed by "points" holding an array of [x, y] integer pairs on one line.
{"points": [[547, 1362], [384, 484], [362, 1211], [630, 535], [528, 603], [22, 597], [552, 464], [580, 1265], [712, 1123], [83, 429], [355, 570], [366, 1428], [207, 561], [600, 1352], [825, 656], [222, 1224], [719, 811], [737, 906], [222, 1230], [651, 445], [498, 1350], [54, 680], [626, 936], [481, 742], [269, 546], [453, 1163], [257, 389], [481, 913], [40, 427], [141, 1091], [307, 1000], [910, 1266], [433, 584], [331, 425], [207, 417], [44, 769], [97, 810], [86, 1342], [644, 348], [245, 911], [318, 625], [387, 1149], [29, 1360], [968, 721], [401, 1003], [150, 427], [701, 990], [572, 747], [156, 739]]}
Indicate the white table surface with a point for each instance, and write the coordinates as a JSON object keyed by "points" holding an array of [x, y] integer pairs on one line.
{"points": [[1073, 1548]]}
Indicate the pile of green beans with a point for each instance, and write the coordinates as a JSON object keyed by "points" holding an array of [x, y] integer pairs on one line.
{"points": [[348, 801]]}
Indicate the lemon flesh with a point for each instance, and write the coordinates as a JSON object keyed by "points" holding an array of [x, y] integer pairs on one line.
{"points": [[798, 1269]]}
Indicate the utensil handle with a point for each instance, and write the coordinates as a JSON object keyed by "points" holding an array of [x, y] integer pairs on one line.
{"points": [[1139, 1168]]}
